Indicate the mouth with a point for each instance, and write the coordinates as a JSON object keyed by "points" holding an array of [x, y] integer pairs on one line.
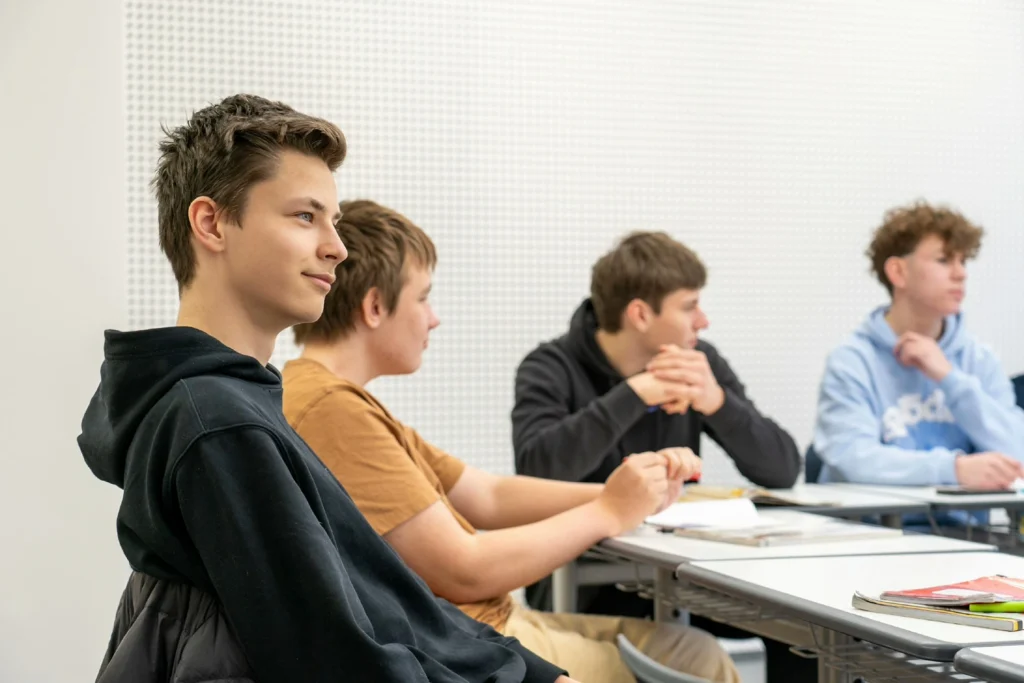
{"points": [[323, 280], [958, 294]]}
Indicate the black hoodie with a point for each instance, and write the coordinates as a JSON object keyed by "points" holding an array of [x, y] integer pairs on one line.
{"points": [[575, 419], [220, 493]]}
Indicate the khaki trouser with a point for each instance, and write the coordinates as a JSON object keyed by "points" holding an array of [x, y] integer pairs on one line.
{"points": [[584, 645]]}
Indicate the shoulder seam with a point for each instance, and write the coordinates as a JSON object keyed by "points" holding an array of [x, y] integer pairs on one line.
{"points": [[173, 470]]}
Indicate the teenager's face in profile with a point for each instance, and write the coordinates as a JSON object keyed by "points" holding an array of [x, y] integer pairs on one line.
{"points": [[282, 256], [403, 335], [678, 322], [935, 280]]}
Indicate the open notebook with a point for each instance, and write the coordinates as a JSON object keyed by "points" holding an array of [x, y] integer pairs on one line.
{"points": [[737, 521]]}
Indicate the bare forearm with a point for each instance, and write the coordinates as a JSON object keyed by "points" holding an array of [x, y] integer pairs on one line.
{"points": [[508, 559], [523, 500]]}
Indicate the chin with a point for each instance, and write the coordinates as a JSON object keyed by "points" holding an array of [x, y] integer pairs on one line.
{"points": [[309, 314], [951, 309]]}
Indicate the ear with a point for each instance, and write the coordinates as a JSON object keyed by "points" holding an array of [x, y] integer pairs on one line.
{"points": [[373, 309], [638, 315], [896, 270], [205, 219]]}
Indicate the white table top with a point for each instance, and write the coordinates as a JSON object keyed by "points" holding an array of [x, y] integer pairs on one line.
{"points": [[649, 546], [929, 495], [1011, 654], [850, 497], [819, 590], [1002, 663]]}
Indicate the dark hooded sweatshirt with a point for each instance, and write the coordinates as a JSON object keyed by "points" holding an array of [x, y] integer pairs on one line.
{"points": [[221, 494], [575, 419]]}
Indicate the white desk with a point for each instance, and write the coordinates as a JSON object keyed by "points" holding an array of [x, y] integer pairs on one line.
{"points": [[849, 501], [834, 501], [1000, 664], [818, 590], [649, 546], [941, 501]]}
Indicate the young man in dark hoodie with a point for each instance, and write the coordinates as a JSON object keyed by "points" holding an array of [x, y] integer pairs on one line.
{"points": [[227, 516], [632, 375]]}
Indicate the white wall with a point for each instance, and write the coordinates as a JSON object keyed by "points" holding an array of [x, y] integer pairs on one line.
{"points": [[62, 232], [526, 136]]}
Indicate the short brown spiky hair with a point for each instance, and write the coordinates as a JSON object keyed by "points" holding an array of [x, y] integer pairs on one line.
{"points": [[644, 265], [381, 244], [904, 227], [221, 153]]}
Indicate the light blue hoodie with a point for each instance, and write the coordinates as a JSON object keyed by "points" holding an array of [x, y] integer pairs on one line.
{"points": [[880, 422]]}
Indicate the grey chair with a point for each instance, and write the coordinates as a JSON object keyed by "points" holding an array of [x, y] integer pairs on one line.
{"points": [[647, 670]]}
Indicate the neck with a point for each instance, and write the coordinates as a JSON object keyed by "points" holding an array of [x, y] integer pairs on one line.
{"points": [[347, 358], [902, 318], [625, 355], [229, 324]]}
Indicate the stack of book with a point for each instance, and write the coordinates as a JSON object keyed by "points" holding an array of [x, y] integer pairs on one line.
{"points": [[995, 602]]}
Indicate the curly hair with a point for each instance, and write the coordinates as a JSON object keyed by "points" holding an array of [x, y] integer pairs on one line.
{"points": [[904, 227]]}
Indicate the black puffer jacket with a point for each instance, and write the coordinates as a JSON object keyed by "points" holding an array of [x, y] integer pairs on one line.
{"points": [[171, 633]]}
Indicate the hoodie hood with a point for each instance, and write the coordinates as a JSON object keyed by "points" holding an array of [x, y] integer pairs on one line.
{"points": [[877, 331], [582, 344], [138, 370]]}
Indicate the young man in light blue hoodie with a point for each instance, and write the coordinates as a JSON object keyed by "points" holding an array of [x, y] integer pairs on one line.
{"points": [[912, 398]]}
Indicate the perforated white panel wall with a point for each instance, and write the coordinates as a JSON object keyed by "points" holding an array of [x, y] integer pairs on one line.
{"points": [[526, 136]]}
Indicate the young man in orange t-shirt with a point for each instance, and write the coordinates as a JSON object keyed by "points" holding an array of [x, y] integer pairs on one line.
{"points": [[428, 505]]}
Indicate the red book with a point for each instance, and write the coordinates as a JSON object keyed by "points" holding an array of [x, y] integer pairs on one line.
{"points": [[984, 590]]}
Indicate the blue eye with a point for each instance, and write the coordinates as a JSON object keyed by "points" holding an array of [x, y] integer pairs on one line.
{"points": [[302, 216]]}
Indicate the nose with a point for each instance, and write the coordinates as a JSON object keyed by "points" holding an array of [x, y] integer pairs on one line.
{"points": [[434, 321], [702, 320], [332, 248], [959, 270]]}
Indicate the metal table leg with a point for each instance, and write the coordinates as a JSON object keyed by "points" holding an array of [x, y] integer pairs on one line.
{"points": [[830, 640], [564, 588]]}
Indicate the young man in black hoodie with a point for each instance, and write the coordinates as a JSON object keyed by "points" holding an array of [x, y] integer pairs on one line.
{"points": [[221, 497], [632, 375]]}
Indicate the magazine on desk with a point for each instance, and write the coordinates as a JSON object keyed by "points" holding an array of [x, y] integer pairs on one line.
{"points": [[995, 602], [737, 521]]}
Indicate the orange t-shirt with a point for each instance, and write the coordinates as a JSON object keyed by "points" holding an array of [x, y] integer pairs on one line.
{"points": [[391, 473]]}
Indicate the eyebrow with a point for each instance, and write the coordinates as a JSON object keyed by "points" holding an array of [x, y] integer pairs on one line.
{"points": [[318, 206]]}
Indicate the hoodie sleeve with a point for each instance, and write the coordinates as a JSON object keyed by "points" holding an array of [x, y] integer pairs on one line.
{"points": [[278, 575], [552, 443], [848, 438], [763, 451], [537, 670], [985, 407]]}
